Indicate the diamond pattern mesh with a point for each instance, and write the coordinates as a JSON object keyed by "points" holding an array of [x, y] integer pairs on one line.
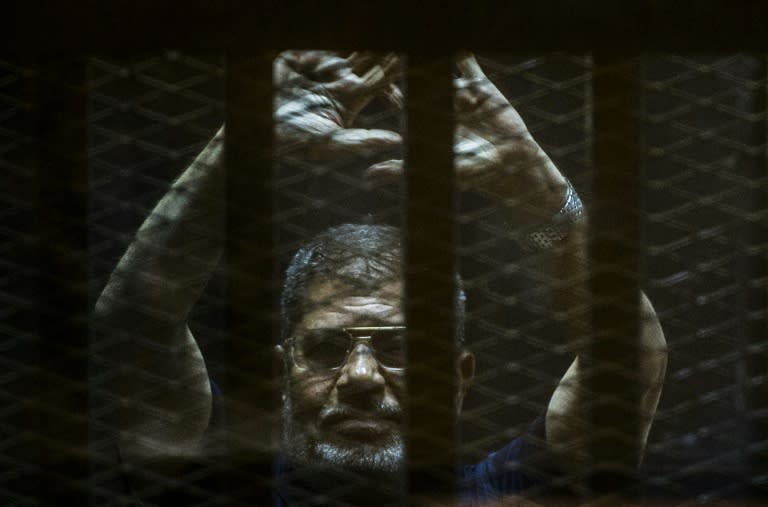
{"points": [[705, 171], [703, 165]]}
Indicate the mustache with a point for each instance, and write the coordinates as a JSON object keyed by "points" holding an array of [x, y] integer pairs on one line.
{"points": [[386, 411]]}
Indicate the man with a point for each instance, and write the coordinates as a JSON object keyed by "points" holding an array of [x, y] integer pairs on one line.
{"points": [[342, 348]]}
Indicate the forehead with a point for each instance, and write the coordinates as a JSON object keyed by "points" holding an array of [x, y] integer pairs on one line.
{"points": [[335, 304]]}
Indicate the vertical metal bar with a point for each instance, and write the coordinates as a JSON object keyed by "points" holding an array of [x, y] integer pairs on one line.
{"points": [[249, 387], [61, 411], [430, 288], [614, 252], [754, 357]]}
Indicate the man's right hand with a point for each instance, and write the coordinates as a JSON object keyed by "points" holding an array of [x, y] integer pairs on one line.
{"points": [[319, 95]]}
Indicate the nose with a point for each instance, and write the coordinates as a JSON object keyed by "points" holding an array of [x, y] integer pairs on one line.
{"points": [[360, 378]]}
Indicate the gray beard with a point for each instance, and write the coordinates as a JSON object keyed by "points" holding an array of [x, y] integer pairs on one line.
{"points": [[385, 456]]}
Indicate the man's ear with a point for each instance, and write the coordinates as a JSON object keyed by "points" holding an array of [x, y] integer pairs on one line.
{"points": [[466, 367], [279, 359]]}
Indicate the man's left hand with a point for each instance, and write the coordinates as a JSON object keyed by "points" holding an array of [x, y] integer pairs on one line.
{"points": [[494, 151]]}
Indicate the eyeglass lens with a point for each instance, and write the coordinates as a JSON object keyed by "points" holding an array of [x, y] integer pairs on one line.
{"points": [[329, 348]]}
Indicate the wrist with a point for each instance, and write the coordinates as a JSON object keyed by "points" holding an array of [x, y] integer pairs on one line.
{"points": [[553, 232]]}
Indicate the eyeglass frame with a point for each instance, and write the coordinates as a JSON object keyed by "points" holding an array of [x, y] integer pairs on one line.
{"points": [[353, 340]]}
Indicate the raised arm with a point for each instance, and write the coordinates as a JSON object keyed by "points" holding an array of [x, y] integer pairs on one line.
{"points": [[497, 155], [162, 386], [567, 425], [542, 205]]}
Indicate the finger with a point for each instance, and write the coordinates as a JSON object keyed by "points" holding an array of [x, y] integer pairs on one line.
{"points": [[333, 67], [321, 66], [306, 57], [357, 92], [293, 68], [469, 67], [383, 73], [291, 56], [281, 71], [285, 75], [387, 170], [360, 61], [394, 96], [358, 143], [391, 66], [469, 166], [470, 163], [303, 61]]}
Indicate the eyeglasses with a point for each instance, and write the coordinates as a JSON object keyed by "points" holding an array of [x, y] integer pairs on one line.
{"points": [[328, 348]]}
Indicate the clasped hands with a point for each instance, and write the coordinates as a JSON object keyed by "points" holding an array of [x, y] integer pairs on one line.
{"points": [[321, 93]]}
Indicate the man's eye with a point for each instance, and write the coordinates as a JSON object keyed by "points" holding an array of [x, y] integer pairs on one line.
{"points": [[390, 348], [325, 348]]}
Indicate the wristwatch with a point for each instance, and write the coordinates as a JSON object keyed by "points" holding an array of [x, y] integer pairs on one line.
{"points": [[550, 234]]}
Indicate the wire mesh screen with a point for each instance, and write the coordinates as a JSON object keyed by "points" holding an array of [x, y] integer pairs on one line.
{"points": [[523, 312], [705, 167], [18, 283]]}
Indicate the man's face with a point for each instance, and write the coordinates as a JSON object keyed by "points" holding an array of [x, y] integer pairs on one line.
{"points": [[347, 412]]}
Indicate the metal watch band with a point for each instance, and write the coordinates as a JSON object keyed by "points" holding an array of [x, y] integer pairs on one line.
{"points": [[548, 235]]}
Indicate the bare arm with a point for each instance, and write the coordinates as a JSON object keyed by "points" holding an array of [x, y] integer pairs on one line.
{"points": [[566, 420], [162, 384], [163, 387], [496, 154], [534, 190]]}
